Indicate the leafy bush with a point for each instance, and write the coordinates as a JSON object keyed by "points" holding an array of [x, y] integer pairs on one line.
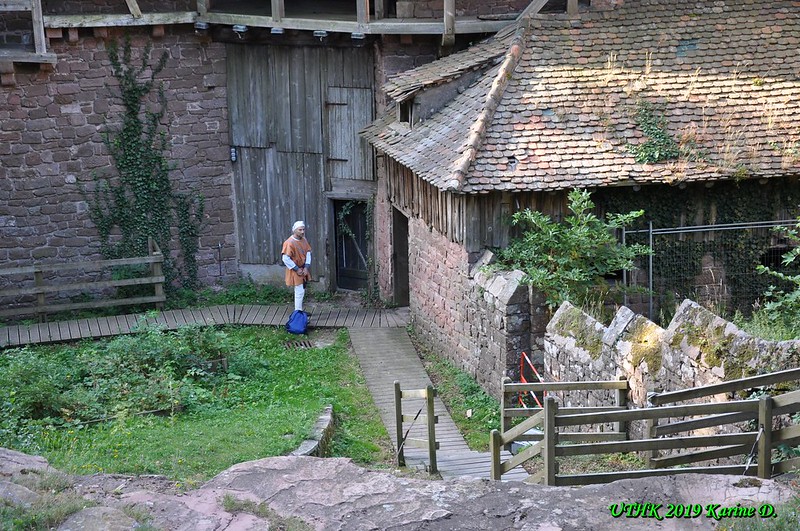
{"points": [[567, 261], [782, 309]]}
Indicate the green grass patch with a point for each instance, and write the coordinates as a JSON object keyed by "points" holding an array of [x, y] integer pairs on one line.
{"points": [[224, 395], [787, 516], [766, 326], [474, 412]]}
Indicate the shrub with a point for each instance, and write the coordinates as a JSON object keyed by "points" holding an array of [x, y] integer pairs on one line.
{"points": [[569, 260]]}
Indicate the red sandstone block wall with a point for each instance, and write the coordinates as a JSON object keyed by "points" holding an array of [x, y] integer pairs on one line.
{"points": [[51, 144]]}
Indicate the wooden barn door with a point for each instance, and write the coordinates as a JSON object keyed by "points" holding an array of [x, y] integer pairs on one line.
{"points": [[295, 113], [275, 102]]}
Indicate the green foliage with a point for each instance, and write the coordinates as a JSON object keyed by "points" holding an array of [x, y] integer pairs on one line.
{"points": [[140, 203], [226, 395], [783, 307], [567, 261], [46, 513], [475, 413], [659, 144]]}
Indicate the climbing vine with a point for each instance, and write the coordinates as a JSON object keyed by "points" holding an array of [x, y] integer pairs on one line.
{"points": [[659, 144], [140, 202], [678, 259]]}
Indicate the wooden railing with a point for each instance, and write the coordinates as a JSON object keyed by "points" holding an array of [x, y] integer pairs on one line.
{"points": [[429, 418], [43, 286], [527, 429], [751, 445]]}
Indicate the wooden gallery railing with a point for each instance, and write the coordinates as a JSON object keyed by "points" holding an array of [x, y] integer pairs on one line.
{"points": [[527, 429], [754, 444], [43, 285]]}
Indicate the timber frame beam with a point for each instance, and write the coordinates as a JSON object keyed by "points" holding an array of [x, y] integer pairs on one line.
{"points": [[363, 21]]}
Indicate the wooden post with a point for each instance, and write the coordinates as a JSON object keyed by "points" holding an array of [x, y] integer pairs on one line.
{"points": [[202, 7], [39, 281], [649, 455], [572, 7], [379, 9], [278, 10], [550, 440], [38, 26], [398, 414], [449, 37], [495, 441], [622, 401], [156, 270], [765, 441], [362, 11], [505, 422], [430, 393]]}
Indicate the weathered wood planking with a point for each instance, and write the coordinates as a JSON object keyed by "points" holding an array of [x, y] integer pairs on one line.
{"points": [[249, 78], [348, 111]]}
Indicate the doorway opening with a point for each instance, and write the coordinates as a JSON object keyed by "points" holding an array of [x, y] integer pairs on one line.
{"points": [[352, 244], [400, 257]]}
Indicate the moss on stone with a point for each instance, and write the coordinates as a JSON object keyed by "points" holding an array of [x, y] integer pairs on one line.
{"points": [[646, 346], [575, 324]]}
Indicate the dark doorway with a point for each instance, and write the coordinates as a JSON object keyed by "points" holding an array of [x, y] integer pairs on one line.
{"points": [[400, 257], [352, 249]]}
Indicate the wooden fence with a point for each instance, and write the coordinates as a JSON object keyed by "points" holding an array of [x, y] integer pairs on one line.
{"points": [[751, 445], [44, 286], [527, 429], [429, 418]]}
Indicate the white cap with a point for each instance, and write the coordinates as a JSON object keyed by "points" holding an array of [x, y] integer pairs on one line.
{"points": [[297, 225]]}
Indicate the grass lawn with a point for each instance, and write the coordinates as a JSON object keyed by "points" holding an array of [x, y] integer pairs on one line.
{"points": [[264, 404]]}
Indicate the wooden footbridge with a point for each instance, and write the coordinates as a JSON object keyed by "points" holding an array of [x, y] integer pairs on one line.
{"points": [[271, 315]]}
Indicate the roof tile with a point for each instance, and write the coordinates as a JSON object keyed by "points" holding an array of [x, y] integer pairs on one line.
{"points": [[724, 75]]}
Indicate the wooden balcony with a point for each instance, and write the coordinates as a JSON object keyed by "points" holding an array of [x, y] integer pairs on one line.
{"points": [[369, 17]]}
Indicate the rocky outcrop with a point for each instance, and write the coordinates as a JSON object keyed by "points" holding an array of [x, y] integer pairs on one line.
{"points": [[334, 494]]}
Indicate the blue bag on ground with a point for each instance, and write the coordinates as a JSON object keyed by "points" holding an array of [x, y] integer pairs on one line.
{"points": [[297, 323]]}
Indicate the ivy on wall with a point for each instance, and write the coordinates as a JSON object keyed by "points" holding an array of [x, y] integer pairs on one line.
{"points": [[677, 259], [140, 202]]}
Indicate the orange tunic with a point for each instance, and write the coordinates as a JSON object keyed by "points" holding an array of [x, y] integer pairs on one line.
{"points": [[296, 250]]}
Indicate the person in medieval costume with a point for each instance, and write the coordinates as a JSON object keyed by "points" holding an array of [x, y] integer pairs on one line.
{"points": [[296, 255]]}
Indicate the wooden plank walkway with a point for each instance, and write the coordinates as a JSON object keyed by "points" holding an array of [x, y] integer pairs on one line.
{"points": [[321, 315], [386, 355]]}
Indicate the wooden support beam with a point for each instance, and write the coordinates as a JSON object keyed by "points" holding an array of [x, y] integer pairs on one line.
{"points": [[572, 7], [72, 35], [362, 11], [93, 21], [449, 36], [278, 10], [158, 31], [54, 33], [133, 7], [101, 33], [15, 5], [202, 7], [379, 9], [38, 27]]}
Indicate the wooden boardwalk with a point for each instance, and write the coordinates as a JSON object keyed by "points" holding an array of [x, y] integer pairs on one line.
{"points": [[322, 316], [379, 339], [387, 355]]}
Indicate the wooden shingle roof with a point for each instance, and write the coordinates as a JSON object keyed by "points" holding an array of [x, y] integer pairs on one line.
{"points": [[561, 111]]}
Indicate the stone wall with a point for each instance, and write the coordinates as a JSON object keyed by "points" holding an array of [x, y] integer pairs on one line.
{"points": [[478, 321], [51, 143], [697, 348]]}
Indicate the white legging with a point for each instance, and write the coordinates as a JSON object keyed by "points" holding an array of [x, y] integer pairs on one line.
{"points": [[299, 293]]}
